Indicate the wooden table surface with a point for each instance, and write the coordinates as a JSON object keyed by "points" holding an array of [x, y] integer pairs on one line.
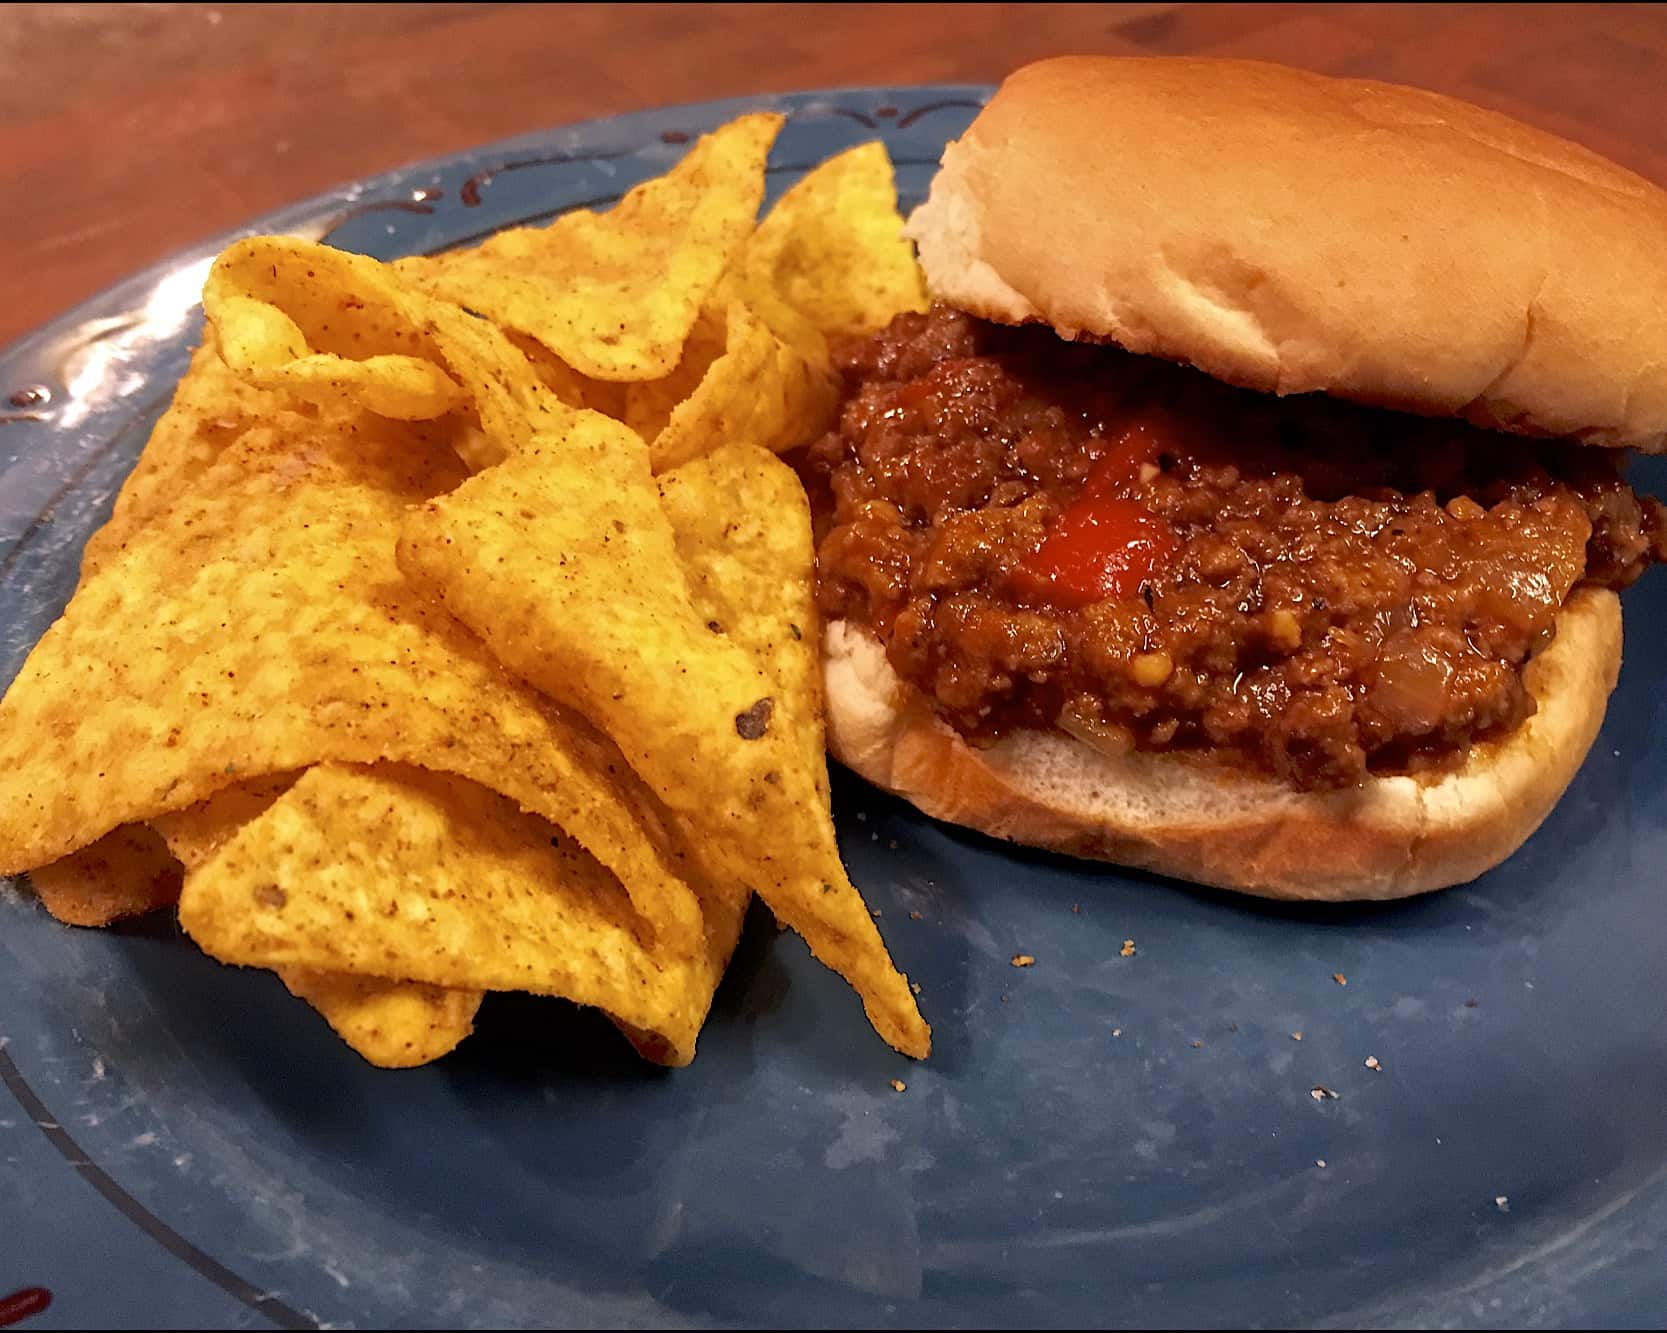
{"points": [[130, 131]]}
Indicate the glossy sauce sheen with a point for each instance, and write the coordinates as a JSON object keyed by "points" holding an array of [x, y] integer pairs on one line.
{"points": [[1046, 534]]}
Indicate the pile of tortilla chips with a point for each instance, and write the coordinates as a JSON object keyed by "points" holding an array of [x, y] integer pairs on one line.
{"points": [[455, 632]]}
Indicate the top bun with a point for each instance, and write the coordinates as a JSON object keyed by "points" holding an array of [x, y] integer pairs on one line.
{"points": [[1292, 233]]}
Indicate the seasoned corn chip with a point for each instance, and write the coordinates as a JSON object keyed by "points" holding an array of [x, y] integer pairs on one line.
{"points": [[614, 294], [211, 407], [761, 390], [348, 333], [400, 872], [832, 249], [263, 626], [392, 1024], [195, 833], [829, 260], [564, 561], [127, 872], [742, 527]]}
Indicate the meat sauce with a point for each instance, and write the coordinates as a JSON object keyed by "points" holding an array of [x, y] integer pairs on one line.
{"points": [[1056, 535]]}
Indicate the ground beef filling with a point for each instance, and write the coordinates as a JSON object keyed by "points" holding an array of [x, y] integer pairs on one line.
{"points": [[1056, 535]]}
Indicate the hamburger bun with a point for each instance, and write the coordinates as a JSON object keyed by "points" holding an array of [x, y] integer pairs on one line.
{"points": [[1203, 821], [1292, 233], [1289, 233]]}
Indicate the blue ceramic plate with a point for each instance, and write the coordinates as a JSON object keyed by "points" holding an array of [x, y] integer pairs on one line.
{"points": [[1097, 1139]]}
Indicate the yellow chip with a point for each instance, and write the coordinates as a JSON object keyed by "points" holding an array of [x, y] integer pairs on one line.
{"points": [[833, 249], [829, 260], [127, 872], [742, 527], [614, 294], [210, 408], [646, 407], [761, 390], [244, 618], [348, 333], [195, 833], [429, 878], [564, 561], [568, 385], [262, 625], [267, 347], [393, 1024]]}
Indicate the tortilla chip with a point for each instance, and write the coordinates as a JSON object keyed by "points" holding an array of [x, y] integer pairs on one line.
{"points": [[742, 527], [614, 295], [267, 347], [210, 408], [567, 384], [833, 248], [646, 407], [760, 390], [346, 332], [262, 625], [563, 560], [195, 833], [396, 871], [830, 260], [393, 1024], [131, 871], [127, 872]]}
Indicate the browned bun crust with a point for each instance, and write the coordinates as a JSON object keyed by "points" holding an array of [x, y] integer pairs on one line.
{"points": [[1288, 232], [1390, 838]]}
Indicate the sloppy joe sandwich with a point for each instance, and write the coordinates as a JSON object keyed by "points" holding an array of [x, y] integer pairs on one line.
{"points": [[1248, 506]]}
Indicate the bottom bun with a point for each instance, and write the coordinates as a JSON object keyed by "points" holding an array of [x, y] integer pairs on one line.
{"points": [[1197, 820]]}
